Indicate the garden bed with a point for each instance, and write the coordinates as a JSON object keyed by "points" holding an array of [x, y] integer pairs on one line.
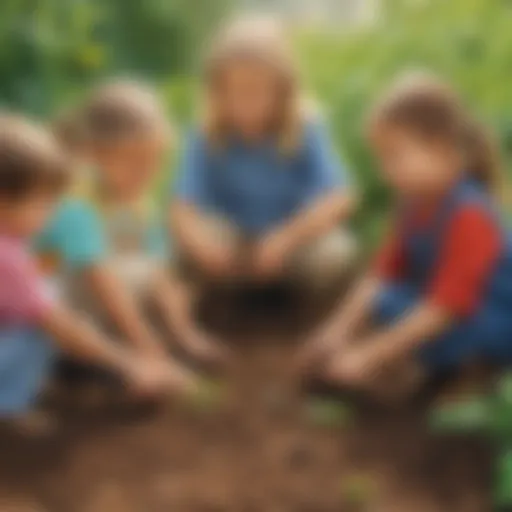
{"points": [[259, 452]]}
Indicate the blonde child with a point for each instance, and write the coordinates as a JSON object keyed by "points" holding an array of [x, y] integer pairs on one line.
{"points": [[110, 248], [33, 326], [261, 192], [440, 293]]}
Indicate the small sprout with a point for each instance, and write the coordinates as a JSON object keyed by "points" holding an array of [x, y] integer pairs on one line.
{"points": [[468, 416], [208, 396], [503, 485], [505, 388], [328, 413], [358, 492]]}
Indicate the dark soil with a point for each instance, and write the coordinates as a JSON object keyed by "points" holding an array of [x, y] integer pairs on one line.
{"points": [[257, 453]]}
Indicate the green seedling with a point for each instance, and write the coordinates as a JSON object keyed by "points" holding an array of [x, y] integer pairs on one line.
{"points": [[208, 396], [490, 415], [358, 492], [328, 413]]}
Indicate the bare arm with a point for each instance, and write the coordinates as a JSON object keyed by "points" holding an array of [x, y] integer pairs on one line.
{"points": [[175, 301], [316, 220], [122, 308], [422, 323], [348, 316], [187, 229], [80, 339], [215, 253], [354, 310]]}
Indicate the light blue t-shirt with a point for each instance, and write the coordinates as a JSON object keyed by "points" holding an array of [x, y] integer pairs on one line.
{"points": [[257, 186], [77, 236]]}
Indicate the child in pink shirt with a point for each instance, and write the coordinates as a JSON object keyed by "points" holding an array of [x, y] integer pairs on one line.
{"points": [[33, 326]]}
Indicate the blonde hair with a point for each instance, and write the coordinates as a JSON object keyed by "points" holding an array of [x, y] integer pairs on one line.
{"points": [[260, 40], [112, 112]]}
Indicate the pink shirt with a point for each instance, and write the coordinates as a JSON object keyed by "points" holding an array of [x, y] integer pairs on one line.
{"points": [[23, 296]]}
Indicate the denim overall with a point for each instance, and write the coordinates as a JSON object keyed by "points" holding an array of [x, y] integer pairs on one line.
{"points": [[485, 334]]}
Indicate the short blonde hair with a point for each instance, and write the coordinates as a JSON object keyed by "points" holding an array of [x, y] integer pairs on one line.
{"points": [[113, 111], [260, 40]]}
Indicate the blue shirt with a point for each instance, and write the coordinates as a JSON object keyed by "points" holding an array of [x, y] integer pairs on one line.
{"points": [[256, 186]]}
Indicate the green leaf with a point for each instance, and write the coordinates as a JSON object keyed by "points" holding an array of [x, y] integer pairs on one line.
{"points": [[328, 413], [474, 415]]}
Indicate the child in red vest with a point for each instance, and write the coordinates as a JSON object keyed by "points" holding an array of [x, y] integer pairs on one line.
{"points": [[440, 292]]}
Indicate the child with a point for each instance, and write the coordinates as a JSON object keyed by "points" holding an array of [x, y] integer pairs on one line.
{"points": [[261, 192], [110, 248], [441, 291], [33, 327]]}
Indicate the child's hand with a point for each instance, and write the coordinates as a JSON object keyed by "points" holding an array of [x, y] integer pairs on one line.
{"points": [[150, 377], [205, 347], [319, 346], [217, 261], [270, 256], [153, 350], [354, 367], [179, 379]]}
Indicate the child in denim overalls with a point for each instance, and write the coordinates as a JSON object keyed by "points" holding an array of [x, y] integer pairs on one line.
{"points": [[440, 293]]}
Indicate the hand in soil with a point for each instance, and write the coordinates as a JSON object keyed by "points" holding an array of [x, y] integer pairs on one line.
{"points": [[270, 256], [354, 367], [150, 378], [317, 348], [206, 348]]}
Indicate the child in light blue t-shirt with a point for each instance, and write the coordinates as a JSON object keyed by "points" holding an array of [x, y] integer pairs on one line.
{"points": [[106, 246]]}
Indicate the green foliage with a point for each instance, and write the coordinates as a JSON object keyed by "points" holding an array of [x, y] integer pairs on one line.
{"points": [[50, 50], [503, 486], [469, 42], [489, 414]]}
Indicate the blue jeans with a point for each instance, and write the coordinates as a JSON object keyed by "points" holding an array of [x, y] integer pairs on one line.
{"points": [[26, 359], [487, 334]]}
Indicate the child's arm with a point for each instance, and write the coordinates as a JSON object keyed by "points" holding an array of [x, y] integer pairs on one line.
{"points": [[350, 314], [468, 256], [123, 309], [424, 322], [79, 339], [174, 301], [318, 219], [188, 213], [79, 239], [354, 310], [75, 336], [326, 201], [214, 255]]}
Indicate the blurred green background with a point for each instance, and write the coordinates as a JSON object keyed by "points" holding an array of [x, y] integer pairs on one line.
{"points": [[51, 50]]}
